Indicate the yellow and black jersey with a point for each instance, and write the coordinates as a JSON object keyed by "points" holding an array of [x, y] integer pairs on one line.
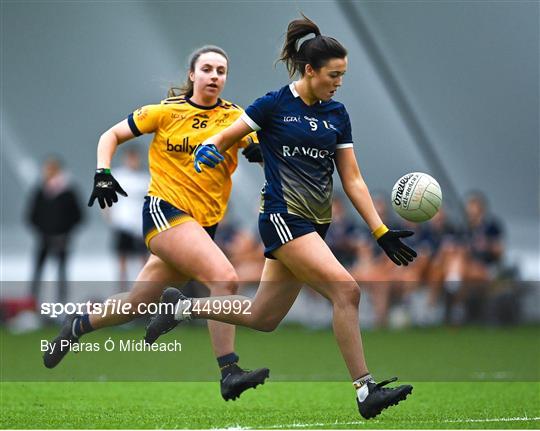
{"points": [[179, 126]]}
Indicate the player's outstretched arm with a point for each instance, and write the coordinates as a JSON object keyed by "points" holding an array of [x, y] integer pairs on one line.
{"points": [[355, 187], [106, 187], [358, 192], [227, 137]]}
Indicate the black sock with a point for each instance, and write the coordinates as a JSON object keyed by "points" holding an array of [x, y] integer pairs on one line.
{"points": [[228, 364], [82, 325]]}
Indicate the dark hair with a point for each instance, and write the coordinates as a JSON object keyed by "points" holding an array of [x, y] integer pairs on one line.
{"points": [[478, 196], [187, 88], [315, 51]]}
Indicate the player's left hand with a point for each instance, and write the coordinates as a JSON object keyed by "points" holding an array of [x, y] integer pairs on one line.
{"points": [[398, 252], [253, 153], [208, 155]]}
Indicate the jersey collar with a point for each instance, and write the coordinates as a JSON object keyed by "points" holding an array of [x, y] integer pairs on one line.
{"points": [[207, 108], [295, 93], [293, 90]]}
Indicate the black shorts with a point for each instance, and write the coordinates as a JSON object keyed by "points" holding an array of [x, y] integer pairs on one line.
{"points": [[159, 215], [128, 244], [279, 228]]}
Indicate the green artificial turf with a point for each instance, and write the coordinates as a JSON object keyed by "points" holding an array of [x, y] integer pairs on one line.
{"points": [[292, 353], [272, 406], [463, 378]]}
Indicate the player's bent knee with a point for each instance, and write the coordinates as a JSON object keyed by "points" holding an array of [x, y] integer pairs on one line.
{"points": [[231, 284], [347, 295], [226, 283]]}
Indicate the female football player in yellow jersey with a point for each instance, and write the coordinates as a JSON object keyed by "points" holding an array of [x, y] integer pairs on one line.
{"points": [[181, 210]]}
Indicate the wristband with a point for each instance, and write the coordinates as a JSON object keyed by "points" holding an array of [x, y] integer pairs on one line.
{"points": [[380, 231], [103, 171]]}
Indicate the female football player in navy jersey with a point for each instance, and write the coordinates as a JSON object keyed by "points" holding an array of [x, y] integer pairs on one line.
{"points": [[303, 132]]}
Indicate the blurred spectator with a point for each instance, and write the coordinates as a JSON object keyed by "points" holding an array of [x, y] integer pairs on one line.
{"points": [[341, 236], [125, 217], [482, 259], [53, 212], [447, 245], [486, 235], [415, 273], [467, 263]]}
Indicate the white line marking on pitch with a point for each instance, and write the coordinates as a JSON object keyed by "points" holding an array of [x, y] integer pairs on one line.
{"points": [[525, 418], [315, 425], [300, 425]]}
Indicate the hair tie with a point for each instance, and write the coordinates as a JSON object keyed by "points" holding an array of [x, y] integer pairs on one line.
{"points": [[303, 41]]}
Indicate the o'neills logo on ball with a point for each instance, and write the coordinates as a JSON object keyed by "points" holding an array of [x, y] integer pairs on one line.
{"points": [[398, 198]]}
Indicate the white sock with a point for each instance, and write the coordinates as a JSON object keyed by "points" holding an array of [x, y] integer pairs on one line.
{"points": [[73, 325], [182, 310], [361, 387]]}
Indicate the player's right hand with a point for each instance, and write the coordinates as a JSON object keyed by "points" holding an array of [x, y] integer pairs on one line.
{"points": [[105, 189], [208, 155]]}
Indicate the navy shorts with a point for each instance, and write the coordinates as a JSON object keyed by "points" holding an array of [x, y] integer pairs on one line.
{"points": [[279, 228], [159, 215]]}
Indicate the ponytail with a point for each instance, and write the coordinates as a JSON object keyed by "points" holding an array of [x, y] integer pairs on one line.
{"points": [[315, 51]]}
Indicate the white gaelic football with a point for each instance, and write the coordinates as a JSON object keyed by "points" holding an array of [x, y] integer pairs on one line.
{"points": [[416, 197]]}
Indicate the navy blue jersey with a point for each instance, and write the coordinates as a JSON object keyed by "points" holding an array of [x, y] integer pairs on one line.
{"points": [[298, 143], [482, 239]]}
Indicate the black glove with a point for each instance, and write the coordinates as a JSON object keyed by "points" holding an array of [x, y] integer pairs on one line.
{"points": [[105, 189], [398, 252], [253, 153]]}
